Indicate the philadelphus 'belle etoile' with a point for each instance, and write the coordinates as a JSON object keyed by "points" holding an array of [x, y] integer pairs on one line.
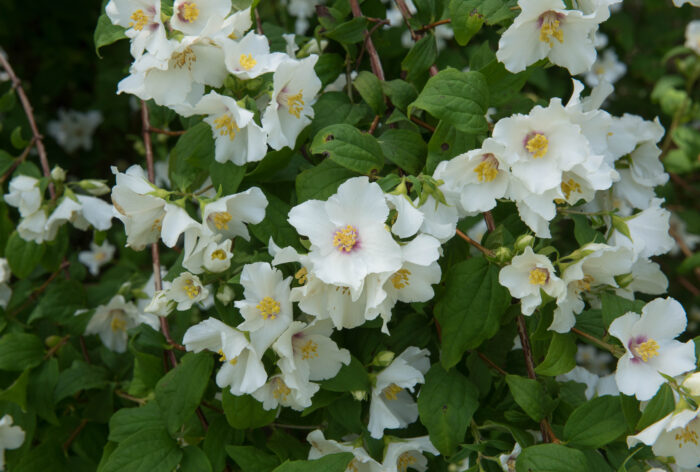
{"points": [[111, 322]]}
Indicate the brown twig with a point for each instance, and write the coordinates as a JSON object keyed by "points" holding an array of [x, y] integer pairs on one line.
{"points": [[155, 253], [433, 25], [689, 286], [481, 248], [374, 124], [374, 61], [39, 290], [673, 231], [490, 363], [258, 23], [423, 124], [27, 106], [202, 419], [545, 428], [83, 349], [166, 131], [583, 334], [364, 43], [212, 407], [415, 35], [18, 161], [74, 434], [126, 396], [296, 426], [58, 346], [488, 218]]}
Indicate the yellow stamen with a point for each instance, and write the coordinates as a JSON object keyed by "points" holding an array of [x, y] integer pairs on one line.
{"points": [[539, 276], [550, 27], [345, 239], [191, 289], [570, 186], [269, 308], [352, 466], [118, 322], [391, 391], [647, 350], [218, 254], [301, 275], [400, 279], [189, 12], [537, 145], [184, 58], [487, 170], [247, 62], [140, 20], [281, 390], [584, 285], [157, 225], [227, 126], [221, 219], [295, 104], [685, 436], [222, 356], [309, 350], [100, 256], [406, 459]]}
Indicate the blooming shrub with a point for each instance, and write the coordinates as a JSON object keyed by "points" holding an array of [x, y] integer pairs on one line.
{"points": [[404, 237]]}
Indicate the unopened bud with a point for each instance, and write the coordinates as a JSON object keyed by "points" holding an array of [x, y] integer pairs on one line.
{"points": [[160, 304], [692, 384], [383, 359], [225, 294], [526, 240], [359, 395], [94, 187], [58, 174], [52, 341], [502, 255], [624, 280]]}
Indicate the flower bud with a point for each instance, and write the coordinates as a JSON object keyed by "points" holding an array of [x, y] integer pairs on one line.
{"points": [[523, 241], [52, 341], [502, 255], [692, 383], [383, 359], [359, 395], [94, 187], [160, 304], [225, 294], [58, 174]]}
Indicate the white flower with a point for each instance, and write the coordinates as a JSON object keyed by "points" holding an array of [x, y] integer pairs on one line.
{"points": [[227, 216], [242, 369], [508, 460], [348, 238], [143, 23], [478, 177], [593, 359], [676, 435], [11, 437], [650, 347], [289, 112], [141, 213], [192, 16], [276, 392], [82, 211], [31, 228], [692, 384], [320, 446], [402, 454], [408, 219], [267, 309], [97, 256], [187, 289], [74, 129], [692, 36], [24, 195], [111, 322], [237, 137], [608, 69], [160, 304], [544, 28], [648, 230], [439, 220], [392, 406], [250, 56], [678, 3], [647, 277], [217, 256], [526, 275], [302, 10]]}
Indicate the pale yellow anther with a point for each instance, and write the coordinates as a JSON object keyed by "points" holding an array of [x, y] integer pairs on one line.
{"points": [[191, 289], [537, 145], [391, 391], [687, 435], [189, 12], [309, 350], [400, 279], [570, 186], [404, 461], [140, 20], [221, 219], [247, 61], [295, 104], [157, 225], [100, 256], [222, 356], [227, 126], [646, 350], [301, 275], [269, 308], [184, 58], [218, 254], [281, 390], [345, 239], [550, 27], [487, 170], [118, 322], [538, 276], [584, 284]]}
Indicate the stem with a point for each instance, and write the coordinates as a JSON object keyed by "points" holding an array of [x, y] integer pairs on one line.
{"points": [[374, 61], [423, 124], [140, 401], [18, 161], [683, 246], [374, 124], [481, 248], [74, 434], [38, 291], [490, 363], [415, 35], [433, 25], [202, 419], [545, 428], [258, 23], [27, 106], [490, 223], [613, 349], [296, 426], [58, 346], [83, 349], [166, 131]]}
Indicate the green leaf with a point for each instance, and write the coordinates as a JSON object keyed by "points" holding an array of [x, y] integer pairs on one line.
{"points": [[621, 225], [529, 394], [328, 66], [245, 412], [349, 32], [17, 392], [445, 143], [271, 165], [19, 351], [459, 98], [503, 85], [421, 56], [687, 139], [80, 376], [446, 404], [148, 369], [180, 391], [335, 107], [661, 405], [350, 377], [275, 224], [551, 458], [352, 149], [191, 158], [595, 423], [219, 435], [400, 92], [465, 21], [322, 181], [369, 87], [23, 256], [17, 140], [60, 301], [129, 421], [152, 450], [689, 263], [7, 102], [106, 33], [561, 356], [47, 456], [42, 384], [6, 161], [330, 463], [584, 232], [226, 176], [468, 321], [251, 459], [614, 306], [405, 148], [194, 460]]}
